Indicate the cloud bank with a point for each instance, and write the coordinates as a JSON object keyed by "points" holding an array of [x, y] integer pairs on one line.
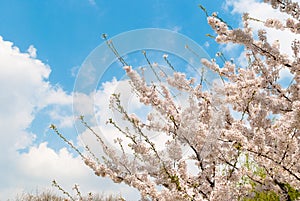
{"points": [[26, 90]]}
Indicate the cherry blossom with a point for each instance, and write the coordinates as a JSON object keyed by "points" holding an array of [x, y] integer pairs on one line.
{"points": [[242, 135]]}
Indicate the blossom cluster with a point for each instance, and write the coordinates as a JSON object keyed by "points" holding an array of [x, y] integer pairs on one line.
{"points": [[242, 135]]}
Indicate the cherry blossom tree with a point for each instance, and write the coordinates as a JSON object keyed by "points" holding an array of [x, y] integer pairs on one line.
{"points": [[242, 135]]}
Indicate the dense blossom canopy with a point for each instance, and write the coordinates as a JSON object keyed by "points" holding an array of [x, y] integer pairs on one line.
{"points": [[243, 134]]}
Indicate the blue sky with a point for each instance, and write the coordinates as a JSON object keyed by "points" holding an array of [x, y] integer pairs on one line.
{"points": [[43, 45], [64, 32]]}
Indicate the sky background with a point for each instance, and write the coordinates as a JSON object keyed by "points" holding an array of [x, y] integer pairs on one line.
{"points": [[42, 47]]}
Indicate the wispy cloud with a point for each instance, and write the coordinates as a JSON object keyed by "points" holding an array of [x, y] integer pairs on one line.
{"points": [[92, 2], [32, 51]]}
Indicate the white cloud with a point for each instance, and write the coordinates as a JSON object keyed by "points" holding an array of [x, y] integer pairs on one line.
{"points": [[63, 116], [97, 106], [74, 71], [263, 11], [21, 84], [177, 28], [38, 159], [25, 91], [230, 48], [242, 60], [32, 51]]}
